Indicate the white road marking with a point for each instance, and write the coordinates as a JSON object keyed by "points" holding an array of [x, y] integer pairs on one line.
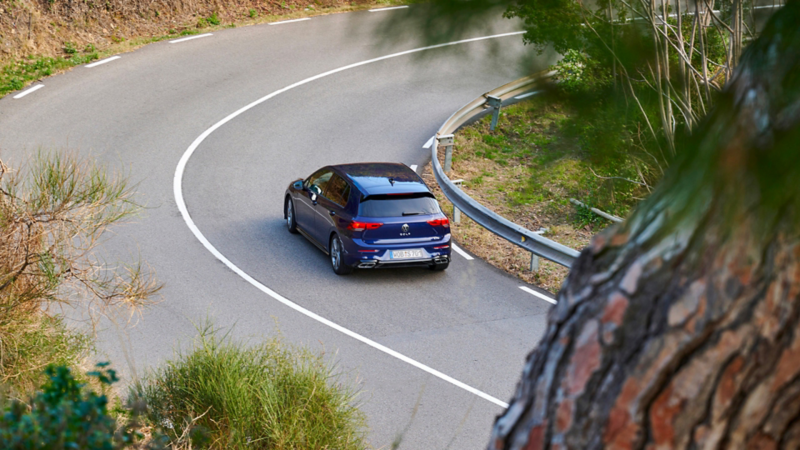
{"points": [[289, 21], [102, 61], [414, 167], [461, 252], [177, 187], [429, 143], [191, 37], [538, 294], [28, 91], [529, 94], [388, 9]]}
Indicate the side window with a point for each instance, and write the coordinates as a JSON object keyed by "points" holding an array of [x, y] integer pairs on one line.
{"points": [[319, 181], [337, 190]]}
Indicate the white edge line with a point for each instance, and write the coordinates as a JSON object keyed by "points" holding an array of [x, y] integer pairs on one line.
{"points": [[28, 91], [191, 37], [538, 294], [387, 9], [429, 143], [461, 252], [102, 61], [179, 200], [413, 167], [289, 21]]}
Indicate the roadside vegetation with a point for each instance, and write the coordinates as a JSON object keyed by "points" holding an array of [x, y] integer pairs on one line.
{"points": [[228, 395], [604, 133], [41, 39], [221, 394], [53, 214], [528, 169]]}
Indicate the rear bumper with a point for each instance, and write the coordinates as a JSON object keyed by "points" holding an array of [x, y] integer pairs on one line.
{"points": [[382, 264], [366, 256]]}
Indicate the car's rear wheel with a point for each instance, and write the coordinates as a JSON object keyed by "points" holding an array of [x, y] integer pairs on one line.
{"points": [[337, 257], [439, 267], [291, 222]]}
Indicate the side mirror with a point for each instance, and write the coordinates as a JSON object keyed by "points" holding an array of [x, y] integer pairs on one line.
{"points": [[298, 185], [314, 198]]}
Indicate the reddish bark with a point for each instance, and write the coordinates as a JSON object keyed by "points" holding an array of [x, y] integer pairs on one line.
{"points": [[680, 328]]}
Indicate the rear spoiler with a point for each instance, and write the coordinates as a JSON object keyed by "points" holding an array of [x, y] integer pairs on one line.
{"points": [[398, 195]]}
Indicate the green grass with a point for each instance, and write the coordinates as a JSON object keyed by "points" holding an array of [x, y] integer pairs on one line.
{"points": [[19, 73], [31, 342], [268, 396], [544, 140]]}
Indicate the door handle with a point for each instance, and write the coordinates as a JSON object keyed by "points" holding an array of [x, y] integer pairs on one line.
{"points": [[333, 213]]}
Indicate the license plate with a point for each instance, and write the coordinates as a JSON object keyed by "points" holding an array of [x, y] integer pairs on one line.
{"points": [[407, 254]]}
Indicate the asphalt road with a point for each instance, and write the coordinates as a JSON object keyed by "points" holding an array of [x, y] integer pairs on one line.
{"points": [[142, 112]]}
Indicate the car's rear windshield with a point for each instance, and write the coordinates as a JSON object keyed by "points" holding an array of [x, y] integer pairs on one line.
{"points": [[398, 206]]}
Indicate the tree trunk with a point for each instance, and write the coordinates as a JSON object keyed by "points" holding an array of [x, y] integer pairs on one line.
{"points": [[680, 328]]}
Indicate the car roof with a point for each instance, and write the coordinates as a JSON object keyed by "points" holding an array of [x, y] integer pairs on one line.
{"points": [[380, 178]]}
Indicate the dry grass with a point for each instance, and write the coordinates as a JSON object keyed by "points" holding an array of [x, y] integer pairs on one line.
{"points": [[525, 171], [88, 29], [503, 254], [52, 217]]}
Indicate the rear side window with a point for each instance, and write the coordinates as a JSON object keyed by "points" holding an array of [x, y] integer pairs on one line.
{"points": [[320, 180], [390, 206], [337, 190]]}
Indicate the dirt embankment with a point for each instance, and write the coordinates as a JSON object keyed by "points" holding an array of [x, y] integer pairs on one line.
{"points": [[60, 27]]}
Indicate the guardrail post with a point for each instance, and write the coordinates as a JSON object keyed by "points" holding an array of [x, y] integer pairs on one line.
{"points": [[534, 262], [494, 102], [447, 141], [456, 211]]}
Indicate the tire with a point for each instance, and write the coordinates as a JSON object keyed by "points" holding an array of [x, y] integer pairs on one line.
{"points": [[291, 218], [439, 267], [337, 257]]}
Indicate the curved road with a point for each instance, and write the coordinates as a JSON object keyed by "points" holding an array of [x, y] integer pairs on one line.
{"points": [[436, 354]]}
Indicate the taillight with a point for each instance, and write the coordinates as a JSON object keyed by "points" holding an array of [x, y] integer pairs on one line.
{"points": [[441, 247], [444, 222], [361, 226]]}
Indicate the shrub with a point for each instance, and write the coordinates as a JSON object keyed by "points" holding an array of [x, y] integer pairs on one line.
{"points": [[69, 48], [266, 396], [65, 414], [35, 340]]}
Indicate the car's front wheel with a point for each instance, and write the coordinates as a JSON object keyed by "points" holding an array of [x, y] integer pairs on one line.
{"points": [[337, 257], [291, 221]]}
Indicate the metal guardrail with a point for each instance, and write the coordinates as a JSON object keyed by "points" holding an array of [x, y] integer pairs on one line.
{"points": [[487, 218]]}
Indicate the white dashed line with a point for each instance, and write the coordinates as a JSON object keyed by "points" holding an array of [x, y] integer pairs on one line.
{"points": [[461, 252], [429, 143], [289, 21], [388, 9], [102, 61], [538, 294], [413, 167], [190, 38], [177, 188], [529, 94], [24, 93]]}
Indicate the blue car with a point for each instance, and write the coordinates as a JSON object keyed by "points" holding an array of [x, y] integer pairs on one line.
{"points": [[369, 215]]}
